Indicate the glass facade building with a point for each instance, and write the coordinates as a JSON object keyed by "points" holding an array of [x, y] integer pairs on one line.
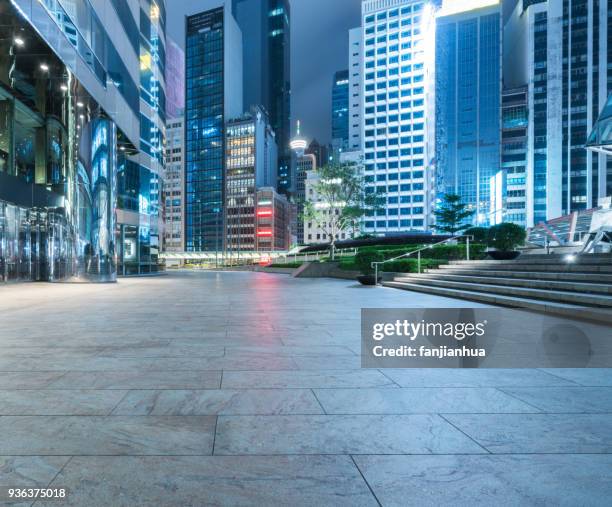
{"points": [[340, 110], [213, 95], [397, 112], [468, 98], [140, 176], [66, 125], [265, 26]]}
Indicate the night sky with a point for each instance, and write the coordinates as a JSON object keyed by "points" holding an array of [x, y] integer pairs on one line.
{"points": [[319, 47]]}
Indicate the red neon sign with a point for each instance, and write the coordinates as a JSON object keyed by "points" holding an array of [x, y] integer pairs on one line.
{"points": [[264, 233], [264, 213]]}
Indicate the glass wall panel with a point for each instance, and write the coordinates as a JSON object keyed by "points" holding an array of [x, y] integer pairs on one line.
{"points": [[6, 132]]}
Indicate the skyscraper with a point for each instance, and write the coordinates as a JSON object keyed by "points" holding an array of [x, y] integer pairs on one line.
{"points": [[355, 92], [265, 26], [515, 135], [468, 100], [140, 177], [213, 95], [397, 136], [251, 163], [561, 51], [174, 186], [340, 111]]}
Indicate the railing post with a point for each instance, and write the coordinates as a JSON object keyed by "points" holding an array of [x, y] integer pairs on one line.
{"points": [[376, 273], [467, 249], [419, 262]]}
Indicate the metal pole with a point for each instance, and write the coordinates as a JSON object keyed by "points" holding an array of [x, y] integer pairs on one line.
{"points": [[375, 273], [467, 249], [419, 261], [217, 243]]}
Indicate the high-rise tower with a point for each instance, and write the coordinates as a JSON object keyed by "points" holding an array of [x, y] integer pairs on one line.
{"points": [[265, 26], [213, 95]]}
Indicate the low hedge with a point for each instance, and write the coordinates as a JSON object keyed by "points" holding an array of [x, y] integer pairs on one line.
{"points": [[411, 265], [399, 266], [446, 252]]}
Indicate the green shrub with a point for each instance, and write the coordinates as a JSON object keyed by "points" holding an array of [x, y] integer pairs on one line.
{"points": [[364, 261], [505, 237], [411, 265], [480, 234]]}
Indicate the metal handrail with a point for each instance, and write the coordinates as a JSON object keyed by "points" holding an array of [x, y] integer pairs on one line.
{"points": [[419, 250]]}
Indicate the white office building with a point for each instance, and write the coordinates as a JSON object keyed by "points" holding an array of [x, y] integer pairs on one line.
{"points": [[355, 89], [398, 112], [562, 56], [174, 186]]}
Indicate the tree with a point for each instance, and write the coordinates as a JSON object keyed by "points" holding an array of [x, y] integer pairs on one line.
{"points": [[506, 236], [340, 200], [451, 215]]}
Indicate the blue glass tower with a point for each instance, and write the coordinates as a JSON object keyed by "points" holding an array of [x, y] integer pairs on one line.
{"points": [[468, 106], [213, 95]]}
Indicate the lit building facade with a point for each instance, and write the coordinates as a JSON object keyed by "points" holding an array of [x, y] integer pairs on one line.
{"points": [[174, 186], [266, 30], [273, 214], [561, 51], [66, 126], [213, 95], [397, 113], [140, 176], [251, 163], [313, 233], [304, 165], [515, 132], [468, 99], [340, 112]]}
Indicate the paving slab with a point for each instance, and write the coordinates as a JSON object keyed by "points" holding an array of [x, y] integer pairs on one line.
{"points": [[521, 480], [340, 434], [213, 480], [110, 435], [538, 433], [219, 402], [420, 401], [305, 379]]}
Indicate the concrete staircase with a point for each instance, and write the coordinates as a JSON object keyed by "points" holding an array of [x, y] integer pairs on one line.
{"points": [[580, 287]]}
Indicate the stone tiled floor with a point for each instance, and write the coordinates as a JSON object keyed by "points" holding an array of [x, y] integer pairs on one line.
{"points": [[246, 389]]}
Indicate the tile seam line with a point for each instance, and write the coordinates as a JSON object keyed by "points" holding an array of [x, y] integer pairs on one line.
{"points": [[464, 433], [365, 480]]}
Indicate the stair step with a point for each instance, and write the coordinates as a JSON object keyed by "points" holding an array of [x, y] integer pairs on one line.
{"points": [[571, 286], [587, 259], [549, 307], [559, 276], [562, 268], [577, 298]]}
